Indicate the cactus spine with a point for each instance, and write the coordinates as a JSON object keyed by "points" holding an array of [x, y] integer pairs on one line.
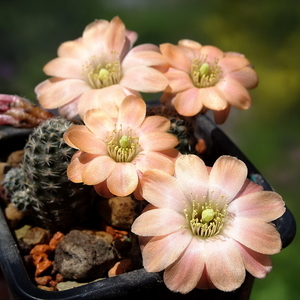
{"points": [[55, 202]]}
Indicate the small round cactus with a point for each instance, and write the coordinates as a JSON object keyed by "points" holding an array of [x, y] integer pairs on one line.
{"points": [[56, 203]]}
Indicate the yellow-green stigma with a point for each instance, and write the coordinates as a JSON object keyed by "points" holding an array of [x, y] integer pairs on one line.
{"points": [[204, 74], [122, 147], [101, 74], [205, 220]]}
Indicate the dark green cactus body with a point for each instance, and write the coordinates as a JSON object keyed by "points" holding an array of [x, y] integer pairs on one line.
{"points": [[55, 201], [181, 127]]}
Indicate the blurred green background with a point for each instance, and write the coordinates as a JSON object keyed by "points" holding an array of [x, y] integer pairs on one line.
{"points": [[267, 32]]}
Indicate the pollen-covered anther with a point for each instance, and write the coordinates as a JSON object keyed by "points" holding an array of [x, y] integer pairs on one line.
{"points": [[205, 74], [101, 74], [205, 220], [122, 147]]}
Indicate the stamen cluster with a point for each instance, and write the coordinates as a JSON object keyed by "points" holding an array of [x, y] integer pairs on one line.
{"points": [[122, 147], [204, 74], [205, 220], [103, 74]]}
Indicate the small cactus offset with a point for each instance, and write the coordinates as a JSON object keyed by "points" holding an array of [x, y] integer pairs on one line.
{"points": [[55, 201], [182, 127], [14, 184]]}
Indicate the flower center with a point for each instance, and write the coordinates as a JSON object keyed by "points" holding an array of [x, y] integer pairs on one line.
{"points": [[205, 220], [122, 146], [102, 73], [204, 74]]}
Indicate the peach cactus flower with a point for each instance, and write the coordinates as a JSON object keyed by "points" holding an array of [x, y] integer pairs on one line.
{"points": [[206, 226], [99, 69], [113, 152], [204, 77]]}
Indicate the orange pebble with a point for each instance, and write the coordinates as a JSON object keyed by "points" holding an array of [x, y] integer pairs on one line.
{"points": [[44, 280], [42, 266], [57, 237], [201, 146], [120, 267]]}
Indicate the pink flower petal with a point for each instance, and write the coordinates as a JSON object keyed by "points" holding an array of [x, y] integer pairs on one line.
{"points": [[225, 266], [226, 178], [98, 170], [162, 190], [221, 116], [179, 81], [131, 36], [143, 47], [64, 68], [158, 222], [257, 264], [114, 36], [255, 234], [265, 206], [55, 92], [157, 141], [69, 110], [159, 252], [145, 58], [154, 160], [176, 57], [249, 187], [105, 98], [99, 123], [93, 35], [125, 175], [73, 49], [211, 53], [245, 76], [235, 93], [233, 63], [132, 112], [74, 171], [155, 123], [77, 165], [144, 79], [80, 137], [190, 44], [212, 98], [188, 103], [184, 274], [102, 190], [192, 176]]}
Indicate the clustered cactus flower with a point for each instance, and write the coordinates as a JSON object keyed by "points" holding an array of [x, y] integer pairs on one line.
{"points": [[203, 226]]}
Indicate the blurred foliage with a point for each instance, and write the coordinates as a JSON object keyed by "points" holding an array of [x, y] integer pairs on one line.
{"points": [[267, 32]]}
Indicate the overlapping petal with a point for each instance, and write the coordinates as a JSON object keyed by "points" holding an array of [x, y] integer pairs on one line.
{"points": [[166, 222], [222, 79], [103, 47], [255, 234], [162, 190], [225, 266], [160, 141], [161, 251], [123, 180], [226, 178], [184, 274], [217, 260], [107, 161]]}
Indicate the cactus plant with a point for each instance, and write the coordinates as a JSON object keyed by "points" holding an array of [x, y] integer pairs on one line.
{"points": [[55, 202]]}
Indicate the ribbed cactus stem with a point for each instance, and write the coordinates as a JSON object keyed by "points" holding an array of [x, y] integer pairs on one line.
{"points": [[56, 202]]}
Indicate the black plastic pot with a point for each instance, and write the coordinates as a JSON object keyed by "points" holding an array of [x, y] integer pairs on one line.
{"points": [[137, 283]]}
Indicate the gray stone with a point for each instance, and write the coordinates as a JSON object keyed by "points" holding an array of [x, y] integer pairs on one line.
{"points": [[80, 256]]}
